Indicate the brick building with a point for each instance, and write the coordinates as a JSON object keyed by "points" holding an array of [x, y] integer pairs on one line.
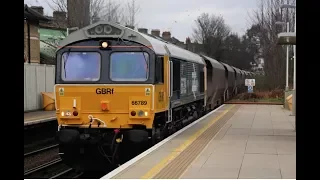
{"points": [[47, 31], [32, 19], [51, 33], [193, 47], [166, 36], [50, 30]]}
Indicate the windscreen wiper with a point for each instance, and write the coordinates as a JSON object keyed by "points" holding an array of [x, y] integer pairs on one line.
{"points": [[65, 62], [145, 60]]}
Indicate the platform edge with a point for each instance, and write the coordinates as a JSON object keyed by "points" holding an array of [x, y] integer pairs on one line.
{"points": [[148, 151]]}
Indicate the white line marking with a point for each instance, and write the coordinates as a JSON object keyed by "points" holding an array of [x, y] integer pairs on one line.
{"points": [[39, 120], [148, 151]]}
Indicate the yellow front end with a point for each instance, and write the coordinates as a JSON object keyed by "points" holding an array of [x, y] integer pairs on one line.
{"points": [[105, 106]]}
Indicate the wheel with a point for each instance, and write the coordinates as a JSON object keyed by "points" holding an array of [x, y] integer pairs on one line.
{"points": [[158, 134], [227, 95], [195, 115], [154, 135], [164, 131]]}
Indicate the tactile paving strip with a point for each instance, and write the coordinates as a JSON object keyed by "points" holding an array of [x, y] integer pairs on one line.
{"points": [[177, 166]]}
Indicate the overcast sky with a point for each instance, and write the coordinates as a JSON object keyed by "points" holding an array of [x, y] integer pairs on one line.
{"points": [[178, 16]]}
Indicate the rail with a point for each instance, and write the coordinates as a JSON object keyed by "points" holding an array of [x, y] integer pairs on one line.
{"points": [[54, 169], [42, 169], [40, 150], [67, 174]]}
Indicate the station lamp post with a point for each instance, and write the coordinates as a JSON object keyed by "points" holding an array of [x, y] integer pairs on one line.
{"points": [[295, 56], [287, 56]]}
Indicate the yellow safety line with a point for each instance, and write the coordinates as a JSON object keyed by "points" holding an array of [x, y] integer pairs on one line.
{"points": [[157, 168]]}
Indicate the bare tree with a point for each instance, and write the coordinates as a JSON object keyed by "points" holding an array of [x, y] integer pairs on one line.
{"points": [[210, 30], [99, 9], [264, 19], [110, 11], [132, 10], [58, 5]]}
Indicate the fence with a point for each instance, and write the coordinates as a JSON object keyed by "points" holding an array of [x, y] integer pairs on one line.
{"points": [[37, 78]]}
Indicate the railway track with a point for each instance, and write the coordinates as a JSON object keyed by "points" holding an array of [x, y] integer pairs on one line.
{"points": [[67, 174], [42, 161], [40, 150], [52, 168], [39, 155]]}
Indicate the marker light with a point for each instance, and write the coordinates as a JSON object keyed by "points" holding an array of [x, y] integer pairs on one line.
{"points": [[75, 113], [104, 44], [62, 113], [133, 113], [146, 113]]}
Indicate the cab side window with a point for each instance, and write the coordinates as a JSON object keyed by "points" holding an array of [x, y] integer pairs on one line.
{"points": [[159, 74]]}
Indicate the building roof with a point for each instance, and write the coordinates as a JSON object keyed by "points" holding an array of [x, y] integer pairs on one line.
{"points": [[49, 38], [31, 14], [53, 24], [47, 50], [51, 34]]}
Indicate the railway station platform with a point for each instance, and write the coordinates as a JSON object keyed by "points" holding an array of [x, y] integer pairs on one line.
{"points": [[232, 142], [37, 117]]}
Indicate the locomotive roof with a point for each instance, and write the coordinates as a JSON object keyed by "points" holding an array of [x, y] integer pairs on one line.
{"points": [[213, 62], [114, 30], [228, 67], [236, 69]]}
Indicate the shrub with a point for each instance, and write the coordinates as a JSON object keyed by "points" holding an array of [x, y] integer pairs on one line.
{"points": [[277, 93], [246, 96], [274, 94]]}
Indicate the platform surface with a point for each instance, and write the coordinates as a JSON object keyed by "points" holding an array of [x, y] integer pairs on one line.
{"points": [[39, 117], [235, 141], [258, 142]]}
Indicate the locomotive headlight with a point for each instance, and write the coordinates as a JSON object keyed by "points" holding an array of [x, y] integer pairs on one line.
{"points": [[62, 113], [146, 113], [140, 113], [104, 44]]}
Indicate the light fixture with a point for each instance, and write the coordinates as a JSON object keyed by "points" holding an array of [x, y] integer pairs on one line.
{"points": [[104, 44]]}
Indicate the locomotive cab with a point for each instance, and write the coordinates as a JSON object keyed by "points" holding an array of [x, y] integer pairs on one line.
{"points": [[119, 91], [104, 90]]}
